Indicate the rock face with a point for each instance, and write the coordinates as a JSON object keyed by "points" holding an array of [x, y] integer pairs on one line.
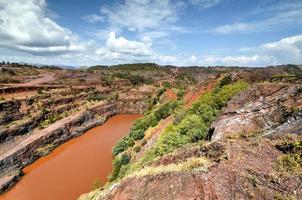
{"points": [[264, 107], [9, 111], [243, 154]]}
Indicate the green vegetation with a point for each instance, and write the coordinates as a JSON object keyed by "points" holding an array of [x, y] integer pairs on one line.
{"points": [[291, 161], [118, 164], [139, 127], [195, 123], [106, 80], [96, 185], [51, 118], [134, 79], [113, 96], [189, 126], [95, 95], [180, 94]]}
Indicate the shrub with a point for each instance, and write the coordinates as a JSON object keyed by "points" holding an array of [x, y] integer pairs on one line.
{"points": [[106, 80], [167, 84], [118, 162], [165, 110], [137, 134], [205, 111], [225, 81], [180, 94], [95, 95], [97, 184], [170, 140], [137, 148], [160, 91], [193, 127], [121, 146]]}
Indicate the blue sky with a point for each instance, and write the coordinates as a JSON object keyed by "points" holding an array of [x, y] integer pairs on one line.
{"points": [[179, 32]]}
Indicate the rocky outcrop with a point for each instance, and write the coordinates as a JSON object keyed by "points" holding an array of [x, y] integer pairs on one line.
{"points": [[9, 111], [262, 108], [243, 154]]}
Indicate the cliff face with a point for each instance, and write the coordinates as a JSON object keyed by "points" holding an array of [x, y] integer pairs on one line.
{"points": [[268, 108], [255, 152]]}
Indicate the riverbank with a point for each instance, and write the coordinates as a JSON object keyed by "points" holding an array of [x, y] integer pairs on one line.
{"points": [[42, 142], [75, 166]]}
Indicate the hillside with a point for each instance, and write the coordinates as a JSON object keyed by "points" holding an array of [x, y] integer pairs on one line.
{"points": [[240, 138], [212, 132]]}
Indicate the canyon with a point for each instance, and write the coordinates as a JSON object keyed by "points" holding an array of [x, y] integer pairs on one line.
{"points": [[205, 132]]}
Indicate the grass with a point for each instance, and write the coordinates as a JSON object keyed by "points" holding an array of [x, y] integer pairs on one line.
{"points": [[194, 163], [291, 161]]}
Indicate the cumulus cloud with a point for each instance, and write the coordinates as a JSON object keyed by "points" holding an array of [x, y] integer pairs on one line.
{"points": [[121, 49], [287, 50], [24, 26], [275, 17], [122, 45]]}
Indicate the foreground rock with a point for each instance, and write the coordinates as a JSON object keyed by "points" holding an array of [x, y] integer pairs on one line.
{"points": [[270, 108]]}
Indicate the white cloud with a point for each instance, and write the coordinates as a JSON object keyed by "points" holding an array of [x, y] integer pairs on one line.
{"points": [[236, 27], [24, 26], [122, 45], [140, 15], [205, 3], [275, 17], [93, 18], [287, 50]]}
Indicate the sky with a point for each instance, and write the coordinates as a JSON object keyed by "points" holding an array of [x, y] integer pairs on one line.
{"points": [[167, 32]]}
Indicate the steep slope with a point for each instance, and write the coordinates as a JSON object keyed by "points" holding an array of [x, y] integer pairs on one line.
{"points": [[254, 153]]}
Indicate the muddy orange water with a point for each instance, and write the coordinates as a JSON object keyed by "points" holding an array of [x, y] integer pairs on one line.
{"points": [[72, 168]]}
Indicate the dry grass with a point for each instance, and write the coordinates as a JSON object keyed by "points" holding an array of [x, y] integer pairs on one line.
{"points": [[194, 163]]}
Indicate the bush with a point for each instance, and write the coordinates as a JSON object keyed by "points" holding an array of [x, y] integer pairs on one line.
{"points": [[137, 134], [161, 91], [205, 111], [137, 148], [165, 110], [118, 162], [106, 80], [95, 95], [121, 146], [167, 84], [180, 94], [170, 140], [225, 81], [193, 127]]}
